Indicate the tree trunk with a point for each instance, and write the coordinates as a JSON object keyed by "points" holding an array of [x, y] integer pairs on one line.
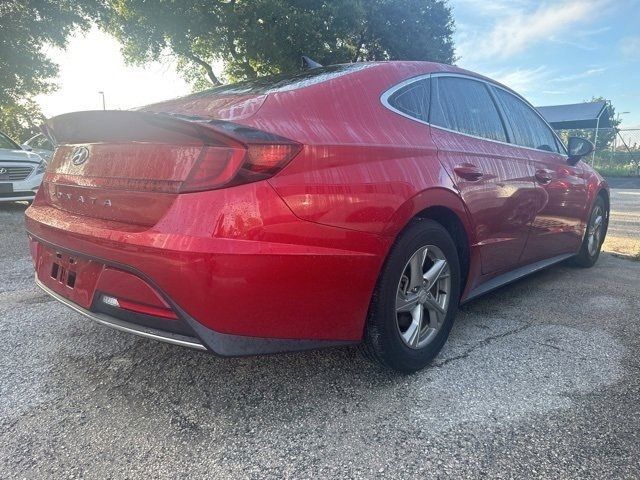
{"points": [[207, 68]]}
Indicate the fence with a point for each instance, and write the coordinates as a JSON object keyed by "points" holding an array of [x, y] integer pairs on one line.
{"points": [[617, 150]]}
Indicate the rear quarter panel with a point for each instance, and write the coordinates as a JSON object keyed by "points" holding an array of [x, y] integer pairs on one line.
{"points": [[595, 184], [363, 166]]}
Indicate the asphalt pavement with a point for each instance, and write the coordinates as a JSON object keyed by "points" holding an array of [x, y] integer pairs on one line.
{"points": [[540, 379]]}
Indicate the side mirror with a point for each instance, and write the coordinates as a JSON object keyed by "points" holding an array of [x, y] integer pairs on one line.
{"points": [[578, 148], [308, 63], [26, 147]]}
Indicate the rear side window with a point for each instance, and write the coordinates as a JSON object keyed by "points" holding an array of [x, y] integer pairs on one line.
{"points": [[529, 130], [466, 106], [413, 100]]}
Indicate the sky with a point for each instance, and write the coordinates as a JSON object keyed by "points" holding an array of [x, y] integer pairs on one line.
{"points": [[553, 52], [564, 51], [92, 63]]}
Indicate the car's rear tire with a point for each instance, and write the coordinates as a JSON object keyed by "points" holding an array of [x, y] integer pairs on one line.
{"points": [[416, 298], [594, 235]]}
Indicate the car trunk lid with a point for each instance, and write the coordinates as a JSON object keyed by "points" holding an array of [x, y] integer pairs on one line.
{"points": [[128, 166]]}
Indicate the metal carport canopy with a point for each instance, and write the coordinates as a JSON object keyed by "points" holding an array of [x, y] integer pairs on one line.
{"points": [[577, 115]]}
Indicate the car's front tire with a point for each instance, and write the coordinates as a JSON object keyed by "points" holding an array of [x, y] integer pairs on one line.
{"points": [[594, 235], [416, 298]]}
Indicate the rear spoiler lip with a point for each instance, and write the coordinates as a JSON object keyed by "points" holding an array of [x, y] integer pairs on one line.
{"points": [[73, 128], [205, 129]]}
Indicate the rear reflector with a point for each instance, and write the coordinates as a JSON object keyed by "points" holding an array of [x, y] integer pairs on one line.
{"points": [[139, 307], [111, 301]]}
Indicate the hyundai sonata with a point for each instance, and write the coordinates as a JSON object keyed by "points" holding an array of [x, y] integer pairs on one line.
{"points": [[348, 204]]}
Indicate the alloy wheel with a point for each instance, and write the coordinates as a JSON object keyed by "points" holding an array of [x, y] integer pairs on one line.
{"points": [[423, 296], [594, 231]]}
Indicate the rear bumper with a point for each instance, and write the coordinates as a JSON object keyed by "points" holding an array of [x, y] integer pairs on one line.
{"points": [[277, 284], [218, 343], [125, 326]]}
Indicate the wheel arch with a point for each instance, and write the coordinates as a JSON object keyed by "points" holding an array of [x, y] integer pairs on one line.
{"points": [[444, 206], [604, 193], [452, 223]]}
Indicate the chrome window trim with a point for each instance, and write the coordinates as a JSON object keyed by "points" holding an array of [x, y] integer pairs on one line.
{"points": [[384, 99]]}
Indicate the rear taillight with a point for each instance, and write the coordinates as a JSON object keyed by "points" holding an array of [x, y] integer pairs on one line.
{"points": [[215, 168], [269, 159], [220, 167], [264, 161]]}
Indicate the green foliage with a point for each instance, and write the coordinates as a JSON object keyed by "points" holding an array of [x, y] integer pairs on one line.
{"points": [[260, 37], [248, 37], [26, 27], [21, 120], [608, 170]]}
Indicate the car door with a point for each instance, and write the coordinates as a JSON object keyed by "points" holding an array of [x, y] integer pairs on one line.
{"points": [[496, 185], [560, 188]]}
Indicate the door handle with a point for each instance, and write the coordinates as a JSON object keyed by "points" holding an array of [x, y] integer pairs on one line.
{"points": [[544, 176], [468, 172]]}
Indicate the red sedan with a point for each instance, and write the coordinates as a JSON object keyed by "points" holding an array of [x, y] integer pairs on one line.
{"points": [[346, 204]]}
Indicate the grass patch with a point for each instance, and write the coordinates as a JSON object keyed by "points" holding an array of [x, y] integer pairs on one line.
{"points": [[617, 170]]}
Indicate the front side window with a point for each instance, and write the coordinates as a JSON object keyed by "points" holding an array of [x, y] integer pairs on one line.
{"points": [[529, 130], [464, 105], [412, 100]]}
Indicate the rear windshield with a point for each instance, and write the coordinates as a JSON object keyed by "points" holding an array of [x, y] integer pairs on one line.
{"points": [[284, 82], [6, 142]]}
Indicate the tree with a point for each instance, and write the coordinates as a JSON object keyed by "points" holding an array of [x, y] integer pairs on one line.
{"points": [[21, 120], [606, 136], [259, 37], [25, 71]]}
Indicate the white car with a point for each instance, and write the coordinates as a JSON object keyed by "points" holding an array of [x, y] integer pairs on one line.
{"points": [[21, 172], [41, 145]]}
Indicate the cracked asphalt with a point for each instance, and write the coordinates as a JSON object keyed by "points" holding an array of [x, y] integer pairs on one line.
{"points": [[540, 379]]}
